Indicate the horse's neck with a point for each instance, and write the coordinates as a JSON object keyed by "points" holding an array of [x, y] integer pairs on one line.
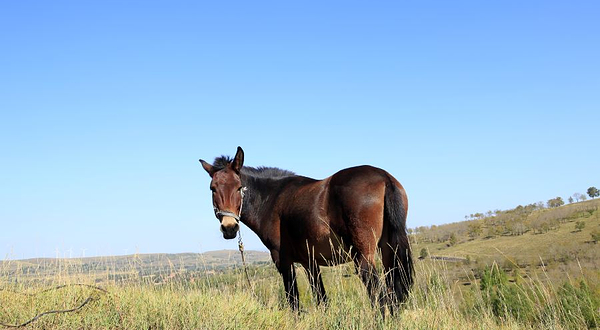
{"points": [[258, 212]]}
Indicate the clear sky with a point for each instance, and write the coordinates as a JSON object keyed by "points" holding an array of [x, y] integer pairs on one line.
{"points": [[106, 106]]}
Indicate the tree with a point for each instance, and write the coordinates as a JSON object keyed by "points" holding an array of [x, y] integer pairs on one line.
{"points": [[593, 192], [424, 254], [475, 229], [519, 228], [578, 196], [453, 240], [570, 199], [493, 231], [556, 202]]}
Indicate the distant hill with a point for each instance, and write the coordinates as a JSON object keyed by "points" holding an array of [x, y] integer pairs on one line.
{"points": [[140, 264]]}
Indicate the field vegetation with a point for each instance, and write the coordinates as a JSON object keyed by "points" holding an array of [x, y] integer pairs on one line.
{"points": [[503, 270]]}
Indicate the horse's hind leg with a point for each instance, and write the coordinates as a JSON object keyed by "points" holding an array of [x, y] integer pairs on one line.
{"points": [[316, 281], [368, 274], [387, 258]]}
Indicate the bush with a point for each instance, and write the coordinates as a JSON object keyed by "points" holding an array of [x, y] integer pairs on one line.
{"points": [[505, 300], [452, 240], [595, 235], [580, 301]]}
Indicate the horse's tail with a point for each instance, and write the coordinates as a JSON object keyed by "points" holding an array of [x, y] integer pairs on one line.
{"points": [[395, 215]]}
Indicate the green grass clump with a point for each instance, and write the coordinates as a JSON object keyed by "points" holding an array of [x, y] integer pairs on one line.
{"points": [[580, 301]]}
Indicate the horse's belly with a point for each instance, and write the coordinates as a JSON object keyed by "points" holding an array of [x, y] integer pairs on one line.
{"points": [[331, 250]]}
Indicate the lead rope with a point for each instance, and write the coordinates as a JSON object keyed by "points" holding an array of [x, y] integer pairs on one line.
{"points": [[241, 248], [241, 244]]}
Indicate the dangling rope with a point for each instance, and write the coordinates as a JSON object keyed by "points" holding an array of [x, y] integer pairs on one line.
{"points": [[241, 248], [85, 302], [240, 243]]}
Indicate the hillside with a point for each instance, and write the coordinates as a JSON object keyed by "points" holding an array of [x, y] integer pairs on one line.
{"points": [[557, 240]]}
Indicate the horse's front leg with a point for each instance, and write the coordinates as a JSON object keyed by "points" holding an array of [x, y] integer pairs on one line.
{"points": [[288, 273]]}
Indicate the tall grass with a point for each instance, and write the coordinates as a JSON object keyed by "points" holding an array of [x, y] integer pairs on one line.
{"points": [[203, 300]]}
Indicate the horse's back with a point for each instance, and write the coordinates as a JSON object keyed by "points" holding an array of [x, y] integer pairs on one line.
{"points": [[358, 176], [362, 178], [332, 213], [356, 203], [360, 186]]}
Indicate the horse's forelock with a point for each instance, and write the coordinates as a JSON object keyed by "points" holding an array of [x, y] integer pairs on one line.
{"points": [[221, 162]]}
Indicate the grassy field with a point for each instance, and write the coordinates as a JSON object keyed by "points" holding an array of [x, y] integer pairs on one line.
{"points": [[223, 301], [531, 281]]}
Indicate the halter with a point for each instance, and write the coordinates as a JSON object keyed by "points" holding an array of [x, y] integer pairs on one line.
{"points": [[220, 214]]}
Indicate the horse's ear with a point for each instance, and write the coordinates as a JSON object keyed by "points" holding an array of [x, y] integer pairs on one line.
{"points": [[238, 161], [207, 167]]}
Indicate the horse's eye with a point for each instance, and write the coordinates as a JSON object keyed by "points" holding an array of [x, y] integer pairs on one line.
{"points": [[213, 189], [240, 188]]}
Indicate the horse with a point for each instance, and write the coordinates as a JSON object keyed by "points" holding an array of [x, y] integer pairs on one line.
{"points": [[348, 216]]}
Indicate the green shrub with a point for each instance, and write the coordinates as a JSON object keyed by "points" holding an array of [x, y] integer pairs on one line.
{"points": [[595, 235], [580, 301], [505, 300]]}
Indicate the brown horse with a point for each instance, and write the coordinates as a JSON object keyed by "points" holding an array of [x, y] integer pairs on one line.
{"points": [[345, 217]]}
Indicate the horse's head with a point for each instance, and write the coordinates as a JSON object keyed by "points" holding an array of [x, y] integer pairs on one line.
{"points": [[227, 192]]}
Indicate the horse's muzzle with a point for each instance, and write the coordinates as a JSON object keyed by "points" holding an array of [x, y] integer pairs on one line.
{"points": [[229, 227]]}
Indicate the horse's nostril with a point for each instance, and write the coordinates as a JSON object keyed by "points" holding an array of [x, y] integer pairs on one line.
{"points": [[230, 229]]}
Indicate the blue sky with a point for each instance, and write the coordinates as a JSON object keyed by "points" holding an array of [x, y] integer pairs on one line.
{"points": [[105, 108]]}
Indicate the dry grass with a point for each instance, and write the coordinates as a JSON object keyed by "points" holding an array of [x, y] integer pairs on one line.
{"points": [[222, 301], [532, 281]]}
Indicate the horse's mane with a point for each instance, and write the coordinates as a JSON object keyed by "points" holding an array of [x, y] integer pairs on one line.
{"points": [[257, 172]]}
